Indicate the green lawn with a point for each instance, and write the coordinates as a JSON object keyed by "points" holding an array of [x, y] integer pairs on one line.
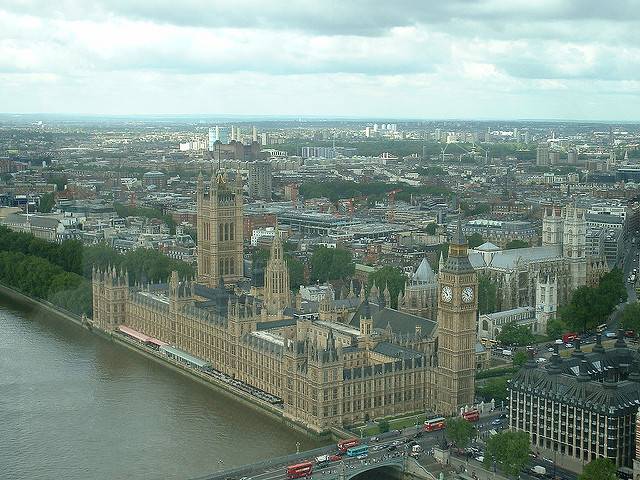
{"points": [[394, 423]]}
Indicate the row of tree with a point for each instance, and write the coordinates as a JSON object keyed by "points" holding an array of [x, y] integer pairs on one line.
{"points": [[61, 273], [591, 306], [128, 211]]}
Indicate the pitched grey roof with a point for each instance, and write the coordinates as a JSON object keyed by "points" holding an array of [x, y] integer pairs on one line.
{"points": [[488, 247], [401, 322], [424, 273], [396, 351]]}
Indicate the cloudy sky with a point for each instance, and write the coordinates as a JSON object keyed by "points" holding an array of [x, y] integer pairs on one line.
{"points": [[362, 58]]}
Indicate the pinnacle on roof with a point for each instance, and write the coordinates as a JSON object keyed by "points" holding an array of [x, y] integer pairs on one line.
{"points": [[459, 238]]}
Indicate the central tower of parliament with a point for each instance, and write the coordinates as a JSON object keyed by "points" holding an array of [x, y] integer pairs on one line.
{"points": [[371, 363]]}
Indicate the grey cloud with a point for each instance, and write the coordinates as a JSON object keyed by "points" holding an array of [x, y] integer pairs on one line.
{"points": [[335, 17]]}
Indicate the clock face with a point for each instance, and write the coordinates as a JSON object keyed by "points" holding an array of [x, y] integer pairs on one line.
{"points": [[467, 294], [447, 293]]}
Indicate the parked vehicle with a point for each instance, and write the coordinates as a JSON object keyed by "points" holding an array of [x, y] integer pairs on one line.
{"points": [[538, 470], [569, 337]]}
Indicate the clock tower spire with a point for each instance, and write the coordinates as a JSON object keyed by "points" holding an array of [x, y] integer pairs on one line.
{"points": [[457, 313]]}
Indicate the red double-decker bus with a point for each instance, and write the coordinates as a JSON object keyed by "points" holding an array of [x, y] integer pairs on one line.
{"points": [[344, 445], [471, 415], [300, 470], [434, 424]]}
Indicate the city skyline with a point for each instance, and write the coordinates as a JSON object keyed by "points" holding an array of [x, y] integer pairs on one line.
{"points": [[487, 60]]}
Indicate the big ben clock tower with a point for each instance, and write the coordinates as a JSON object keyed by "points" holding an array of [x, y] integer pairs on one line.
{"points": [[457, 312]]}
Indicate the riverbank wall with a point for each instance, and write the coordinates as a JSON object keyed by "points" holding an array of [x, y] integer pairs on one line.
{"points": [[195, 375]]}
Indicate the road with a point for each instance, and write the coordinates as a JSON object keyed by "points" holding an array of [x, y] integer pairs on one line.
{"points": [[389, 444]]}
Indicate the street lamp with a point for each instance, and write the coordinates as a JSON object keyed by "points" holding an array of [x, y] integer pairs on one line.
{"points": [[297, 447], [361, 430]]}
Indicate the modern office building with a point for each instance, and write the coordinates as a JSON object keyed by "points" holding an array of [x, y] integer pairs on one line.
{"points": [[582, 407]]}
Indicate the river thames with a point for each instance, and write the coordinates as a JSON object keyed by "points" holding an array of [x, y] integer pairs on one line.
{"points": [[78, 407]]}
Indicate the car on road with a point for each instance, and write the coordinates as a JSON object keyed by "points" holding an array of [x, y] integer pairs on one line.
{"points": [[335, 458], [551, 349], [610, 334], [548, 460], [375, 439], [392, 448], [495, 422], [568, 345], [503, 415], [480, 458], [362, 457]]}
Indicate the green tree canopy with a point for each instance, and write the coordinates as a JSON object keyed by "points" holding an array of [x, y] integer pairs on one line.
{"points": [[475, 240], [514, 334], [520, 358], [599, 469], [487, 295], [391, 277], [331, 264], [630, 317], [47, 201], [556, 327], [510, 451], [383, 426], [431, 229], [591, 306], [127, 211], [494, 389], [513, 244], [459, 431]]}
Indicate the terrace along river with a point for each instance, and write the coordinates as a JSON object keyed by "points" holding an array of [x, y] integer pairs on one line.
{"points": [[78, 407]]}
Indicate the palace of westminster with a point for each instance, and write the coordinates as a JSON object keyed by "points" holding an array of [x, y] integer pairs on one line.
{"points": [[336, 367]]}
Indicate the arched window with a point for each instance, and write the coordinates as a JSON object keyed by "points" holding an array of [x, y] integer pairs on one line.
{"points": [[226, 231], [485, 325], [232, 266], [231, 231], [220, 232]]}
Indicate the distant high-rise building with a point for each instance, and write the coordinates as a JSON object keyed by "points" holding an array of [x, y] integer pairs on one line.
{"points": [[260, 180], [554, 158], [318, 152], [527, 137], [572, 157], [375, 127], [264, 139], [218, 133], [254, 134], [542, 155]]}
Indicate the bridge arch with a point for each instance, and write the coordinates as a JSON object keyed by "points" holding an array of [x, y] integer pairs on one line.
{"points": [[372, 472]]}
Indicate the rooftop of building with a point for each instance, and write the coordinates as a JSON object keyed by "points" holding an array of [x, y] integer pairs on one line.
{"points": [[604, 381]]}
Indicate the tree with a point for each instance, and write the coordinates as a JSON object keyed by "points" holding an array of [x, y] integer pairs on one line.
{"points": [[431, 229], [383, 426], [494, 388], [591, 306], [630, 317], [331, 264], [510, 451], [556, 327], [47, 201], [599, 469], [487, 295], [391, 277], [475, 240], [459, 431], [520, 358], [514, 334], [513, 244]]}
